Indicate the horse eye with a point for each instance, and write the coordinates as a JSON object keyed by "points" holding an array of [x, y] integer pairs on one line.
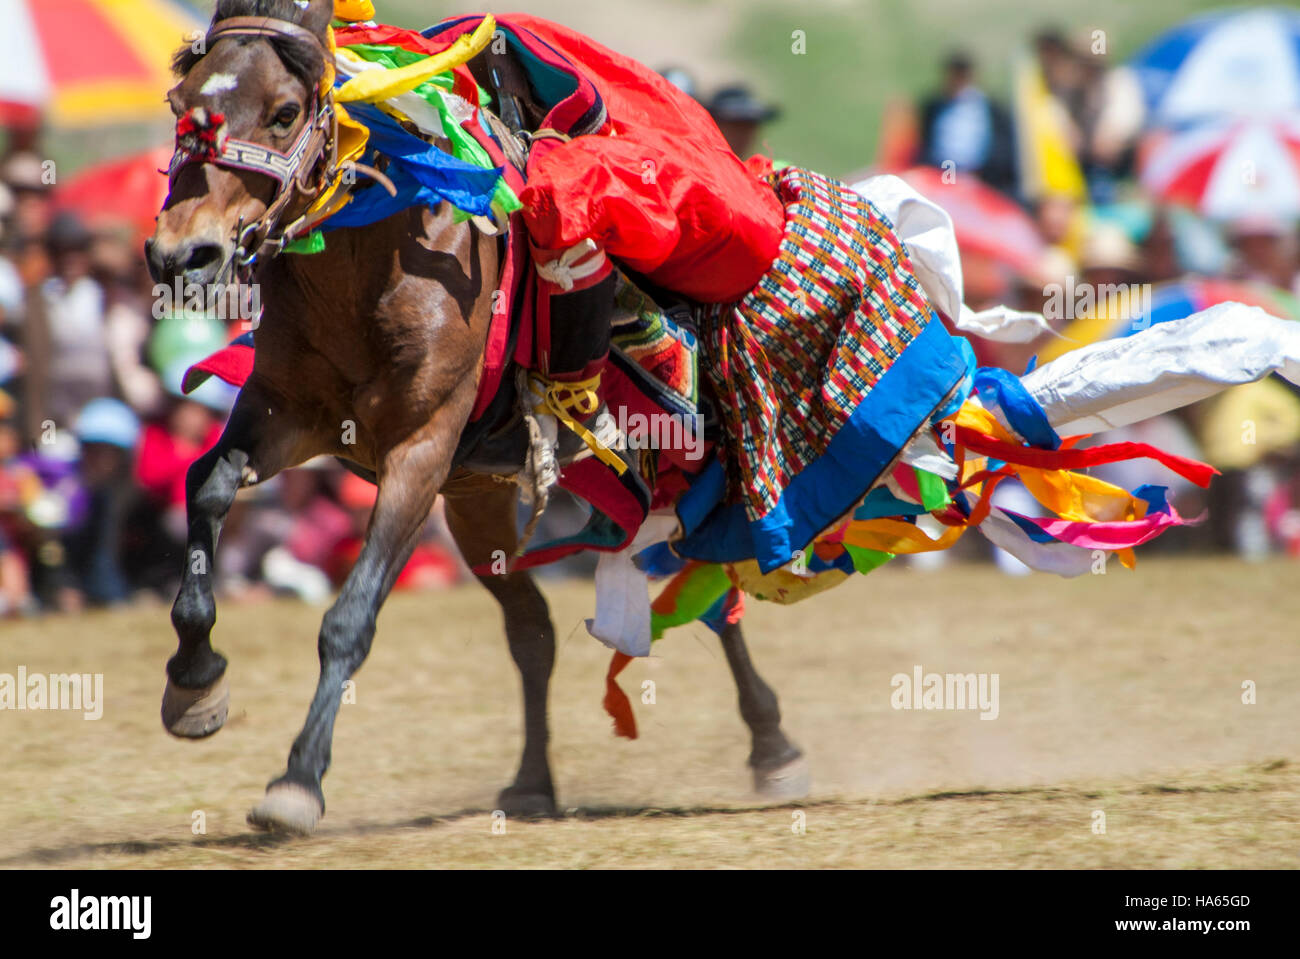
{"points": [[285, 116]]}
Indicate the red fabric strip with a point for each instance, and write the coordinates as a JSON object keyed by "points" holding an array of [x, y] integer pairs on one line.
{"points": [[1063, 459], [616, 702]]}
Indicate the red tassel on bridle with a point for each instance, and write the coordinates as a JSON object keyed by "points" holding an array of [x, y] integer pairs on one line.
{"points": [[199, 134]]}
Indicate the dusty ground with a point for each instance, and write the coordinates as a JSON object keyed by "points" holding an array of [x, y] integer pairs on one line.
{"points": [[1119, 694]]}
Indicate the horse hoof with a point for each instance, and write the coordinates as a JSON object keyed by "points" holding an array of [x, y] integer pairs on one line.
{"points": [[195, 713], [791, 780], [526, 805], [287, 808]]}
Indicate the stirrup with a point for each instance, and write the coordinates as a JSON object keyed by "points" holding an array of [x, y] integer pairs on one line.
{"points": [[572, 402]]}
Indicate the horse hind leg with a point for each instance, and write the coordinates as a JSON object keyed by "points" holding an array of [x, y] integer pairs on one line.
{"points": [[481, 517], [779, 767]]}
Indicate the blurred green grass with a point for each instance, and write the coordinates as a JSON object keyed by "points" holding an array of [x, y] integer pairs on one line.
{"points": [[861, 54]]}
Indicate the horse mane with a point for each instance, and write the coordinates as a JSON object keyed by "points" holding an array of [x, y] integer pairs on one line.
{"points": [[301, 59]]}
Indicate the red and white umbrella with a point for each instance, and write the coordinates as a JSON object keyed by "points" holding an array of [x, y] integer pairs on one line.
{"points": [[1228, 169], [985, 221], [90, 62]]}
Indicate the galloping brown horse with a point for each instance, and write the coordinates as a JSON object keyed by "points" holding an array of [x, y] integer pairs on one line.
{"points": [[379, 340]]}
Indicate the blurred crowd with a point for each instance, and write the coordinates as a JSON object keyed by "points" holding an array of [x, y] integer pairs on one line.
{"points": [[1048, 202], [96, 433]]}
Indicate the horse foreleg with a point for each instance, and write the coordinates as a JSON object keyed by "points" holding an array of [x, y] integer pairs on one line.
{"points": [[408, 484], [780, 770], [197, 696], [482, 521]]}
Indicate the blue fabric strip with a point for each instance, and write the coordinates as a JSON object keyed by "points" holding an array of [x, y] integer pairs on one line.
{"points": [[1156, 497], [1002, 389], [423, 175], [1032, 530]]}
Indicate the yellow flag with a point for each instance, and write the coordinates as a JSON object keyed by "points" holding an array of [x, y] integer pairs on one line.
{"points": [[1048, 166], [374, 86]]}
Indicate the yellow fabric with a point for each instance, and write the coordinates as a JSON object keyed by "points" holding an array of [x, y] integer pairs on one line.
{"points": [[375, 85], [352, 137], [1080, 498], [570, 400], [1097, 324], [1047, 161], [354, 10], [1072, 496], [781, 585], [895, 536], [977, 418]]}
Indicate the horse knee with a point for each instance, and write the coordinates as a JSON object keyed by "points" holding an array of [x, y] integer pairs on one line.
{"points": [[345, 637]]}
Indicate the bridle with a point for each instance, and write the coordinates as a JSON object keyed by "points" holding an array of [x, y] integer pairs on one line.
{"points": [[304, 173]]}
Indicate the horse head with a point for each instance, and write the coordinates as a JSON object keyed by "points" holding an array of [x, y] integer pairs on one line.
{"points": [[255, 139]]}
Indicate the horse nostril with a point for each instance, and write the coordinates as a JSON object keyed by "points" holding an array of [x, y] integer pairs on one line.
{"points": [[202, 256], [157, 264]]}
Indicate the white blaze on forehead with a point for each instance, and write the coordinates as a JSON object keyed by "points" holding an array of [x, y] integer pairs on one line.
{"points": [[219, 83]]}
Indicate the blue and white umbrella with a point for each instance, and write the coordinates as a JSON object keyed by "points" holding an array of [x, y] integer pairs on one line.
{"points": [[1239, 63]]}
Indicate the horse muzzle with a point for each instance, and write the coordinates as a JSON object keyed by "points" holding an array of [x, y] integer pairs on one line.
{"points": [[194, 261]]}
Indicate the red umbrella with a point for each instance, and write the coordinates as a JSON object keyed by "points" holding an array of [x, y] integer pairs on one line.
{"points": [[985, 221], [129, 190]]}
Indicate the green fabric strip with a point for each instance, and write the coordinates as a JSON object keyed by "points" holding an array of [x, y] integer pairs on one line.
{"points": [[313, 242], [867, 560], [934, 491]]}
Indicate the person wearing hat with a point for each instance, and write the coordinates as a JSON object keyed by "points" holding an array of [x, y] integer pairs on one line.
{"points": [[76, 366], [739, 114], [1263, 246], [107, 431], [682, 79], [28, 178]]}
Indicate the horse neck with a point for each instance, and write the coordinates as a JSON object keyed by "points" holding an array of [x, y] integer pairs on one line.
{"points": [[331, 300]]}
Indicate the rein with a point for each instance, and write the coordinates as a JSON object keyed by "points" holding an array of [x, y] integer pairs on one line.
{"points": [[304, 173]]}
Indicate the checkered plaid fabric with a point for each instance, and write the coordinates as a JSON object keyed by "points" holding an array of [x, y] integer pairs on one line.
{"points": [[791, 361]]}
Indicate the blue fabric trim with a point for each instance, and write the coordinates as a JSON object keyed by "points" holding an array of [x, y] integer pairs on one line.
{"points": [[968, 380], [902, 401]]}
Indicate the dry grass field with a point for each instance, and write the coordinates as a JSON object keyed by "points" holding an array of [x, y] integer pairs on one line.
{"points": [[1119, 693]]}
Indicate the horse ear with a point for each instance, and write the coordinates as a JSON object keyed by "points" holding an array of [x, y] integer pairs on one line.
{"points": [[318, 16]]}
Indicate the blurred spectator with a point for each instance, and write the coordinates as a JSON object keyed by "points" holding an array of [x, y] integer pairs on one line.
{"points": [[1109, 257], [682, 80], [962, 128], [25, 175], [16, 487], [107, 431], [1065, 73], [77, 365], [128, 323], [739, 114], [1264, 251]]}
